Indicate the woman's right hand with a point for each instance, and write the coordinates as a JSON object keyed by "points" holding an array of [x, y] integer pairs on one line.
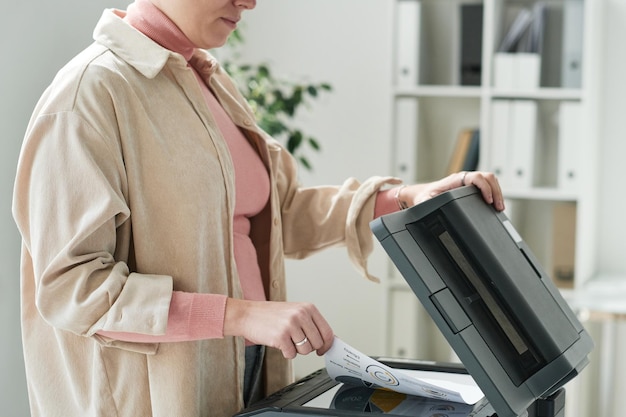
{"points": [[289, 326]]}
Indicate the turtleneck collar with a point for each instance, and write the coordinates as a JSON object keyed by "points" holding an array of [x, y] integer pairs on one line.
{"points": [[152, 22]]}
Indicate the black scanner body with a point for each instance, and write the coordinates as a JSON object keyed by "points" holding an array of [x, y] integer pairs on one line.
{"points": [[490, 297]]}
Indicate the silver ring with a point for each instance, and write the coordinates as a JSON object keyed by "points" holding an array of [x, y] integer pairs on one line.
{"points": [[303, 341]]}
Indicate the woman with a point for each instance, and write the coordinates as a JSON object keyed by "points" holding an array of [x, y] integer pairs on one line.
{"points": [[155, 218]]}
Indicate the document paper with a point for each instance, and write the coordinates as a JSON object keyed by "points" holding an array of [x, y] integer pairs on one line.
{"points": [[346, 364]]}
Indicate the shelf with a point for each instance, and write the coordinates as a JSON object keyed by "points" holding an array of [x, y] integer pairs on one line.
{"points": [[438, 91], [603, 296], [543, 194], [539, 94], [399, 284], [452, 91], [533, 119]]}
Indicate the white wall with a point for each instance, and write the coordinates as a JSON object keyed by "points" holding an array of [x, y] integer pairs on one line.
{"points": [[612, 227], [36, 38], [612, 204]]}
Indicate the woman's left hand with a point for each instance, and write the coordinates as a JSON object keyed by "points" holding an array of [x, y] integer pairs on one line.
{"points": [[486, 182]]}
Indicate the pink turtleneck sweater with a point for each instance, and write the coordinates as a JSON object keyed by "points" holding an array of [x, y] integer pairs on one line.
{"points": [[195, 316]]}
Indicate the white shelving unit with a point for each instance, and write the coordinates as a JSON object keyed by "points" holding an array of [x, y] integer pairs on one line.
{"points": [[431, 108]]}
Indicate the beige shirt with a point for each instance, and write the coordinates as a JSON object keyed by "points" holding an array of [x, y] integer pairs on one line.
{"points": [[124, 193]]}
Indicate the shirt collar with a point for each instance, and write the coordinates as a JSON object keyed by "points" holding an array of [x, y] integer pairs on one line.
{"points": [[139, 51]]}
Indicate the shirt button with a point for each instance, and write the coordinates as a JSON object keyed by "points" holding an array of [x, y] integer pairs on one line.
{"points": [[275, 284], [247, 122], [275, 221]]}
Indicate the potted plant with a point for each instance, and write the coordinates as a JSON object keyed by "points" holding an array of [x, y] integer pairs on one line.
{"points": [[275, 101]]}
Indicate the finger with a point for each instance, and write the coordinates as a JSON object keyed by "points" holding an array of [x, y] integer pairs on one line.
{"points": [[326, 335], [288, 349], [328, 342], [304, 330], [319, 333], [498, 198], [301, 342], [495, 192], [476, 178], [303, 345], [306, 322], [489, 187], [297, 345]]}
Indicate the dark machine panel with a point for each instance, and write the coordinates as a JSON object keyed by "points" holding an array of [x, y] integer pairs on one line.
{"points": [[492, 300]]}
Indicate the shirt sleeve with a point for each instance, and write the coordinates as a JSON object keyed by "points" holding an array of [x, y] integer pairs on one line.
{"points": [[191, 317], [385, 203], [69, 205]]}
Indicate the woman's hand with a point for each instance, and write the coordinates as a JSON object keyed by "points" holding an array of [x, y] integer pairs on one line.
{"points": [[487, 182], [291, 327]]}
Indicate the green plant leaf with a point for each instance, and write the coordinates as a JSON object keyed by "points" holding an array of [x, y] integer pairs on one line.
{"points": [[294, 141], [314, 144], [305, 163]]}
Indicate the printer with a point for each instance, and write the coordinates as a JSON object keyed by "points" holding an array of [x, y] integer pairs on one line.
{"points": [[501, 313]]}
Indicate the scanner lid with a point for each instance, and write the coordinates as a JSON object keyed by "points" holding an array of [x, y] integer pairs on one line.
{"points": [[488, 294]]}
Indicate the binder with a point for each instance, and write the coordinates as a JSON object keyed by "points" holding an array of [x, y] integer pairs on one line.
{"points": [[408, 20], [517, 64], [528, 68], [471, 43], [472, 156], [573, 21], [537, 28], [461, 152], [500, 137], [523, 131], [569, 140], [516, 31], [552, 47], [563, 244], [505, 72], [405, 139], [403, 324], [517, 71]]}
